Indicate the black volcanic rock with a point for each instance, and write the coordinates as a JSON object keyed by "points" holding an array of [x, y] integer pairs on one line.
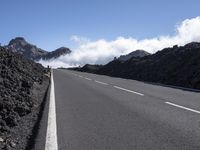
{"points": [[22, 86], [137, 53], [89, 68], [192, 45], [178, 66], [20, 45]]}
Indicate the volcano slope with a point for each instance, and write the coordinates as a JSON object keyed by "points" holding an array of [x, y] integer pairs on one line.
{"points": [[23, 84], [176, 66]]}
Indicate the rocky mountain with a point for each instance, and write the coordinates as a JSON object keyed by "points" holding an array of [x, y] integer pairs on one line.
{"points": [[57, 53], [23, 85], [178, 66], [20, 45], [137, 53]]}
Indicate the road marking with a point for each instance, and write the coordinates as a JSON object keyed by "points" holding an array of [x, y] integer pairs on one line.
{"points": [[80, 76], [186, 108], [51, 135], [101, 82], [74, 74], [88, 79], [117, 87]]}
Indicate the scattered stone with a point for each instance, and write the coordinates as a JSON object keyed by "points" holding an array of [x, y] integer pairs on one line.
{"points": [[12, 144], [1, 139]]}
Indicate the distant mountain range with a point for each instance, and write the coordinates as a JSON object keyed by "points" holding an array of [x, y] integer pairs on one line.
{"points": [[20, 45], [179, 66], [137, 53]]}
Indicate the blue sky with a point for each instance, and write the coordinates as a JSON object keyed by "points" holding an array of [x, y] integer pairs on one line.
{"points": [[50, 23]]}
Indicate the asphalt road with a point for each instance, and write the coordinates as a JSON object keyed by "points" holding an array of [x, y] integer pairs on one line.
{"points": [[95, 112]]}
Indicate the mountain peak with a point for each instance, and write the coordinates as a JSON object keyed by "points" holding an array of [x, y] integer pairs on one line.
{"points": [[136, 53], [64, 49], [57, 53], [18, 40]]}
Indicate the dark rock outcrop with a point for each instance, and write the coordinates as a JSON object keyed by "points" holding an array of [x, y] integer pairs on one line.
{"points": [[20, 45], [22, 86], [178, 66], [89, 68], [137, 53]]}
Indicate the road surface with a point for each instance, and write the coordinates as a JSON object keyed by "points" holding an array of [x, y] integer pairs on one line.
{"points": [[95, 112]]}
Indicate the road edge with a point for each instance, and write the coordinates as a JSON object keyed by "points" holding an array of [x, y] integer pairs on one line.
{"points": [[51, 135]]}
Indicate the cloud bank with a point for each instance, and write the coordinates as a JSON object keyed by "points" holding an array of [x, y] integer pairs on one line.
{"points": [[103, 51]]}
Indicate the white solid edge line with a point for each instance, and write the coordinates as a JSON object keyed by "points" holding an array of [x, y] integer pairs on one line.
{"points": [[80, 76], [51, 135], [88, 79], [101, 82], [186, 108], [128, 90]]}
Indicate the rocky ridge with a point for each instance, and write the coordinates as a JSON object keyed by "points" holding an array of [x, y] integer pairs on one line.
{"points": [[20, 45], [177, 66]]}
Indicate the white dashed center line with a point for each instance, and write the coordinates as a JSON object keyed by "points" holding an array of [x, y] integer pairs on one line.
{"points": [[88, 79], [134, 92], [117, 87], [183, 107], [101, 82]]}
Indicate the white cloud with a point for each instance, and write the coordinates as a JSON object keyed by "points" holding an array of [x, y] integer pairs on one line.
{"points": [[79, 39], [103, 51]]}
